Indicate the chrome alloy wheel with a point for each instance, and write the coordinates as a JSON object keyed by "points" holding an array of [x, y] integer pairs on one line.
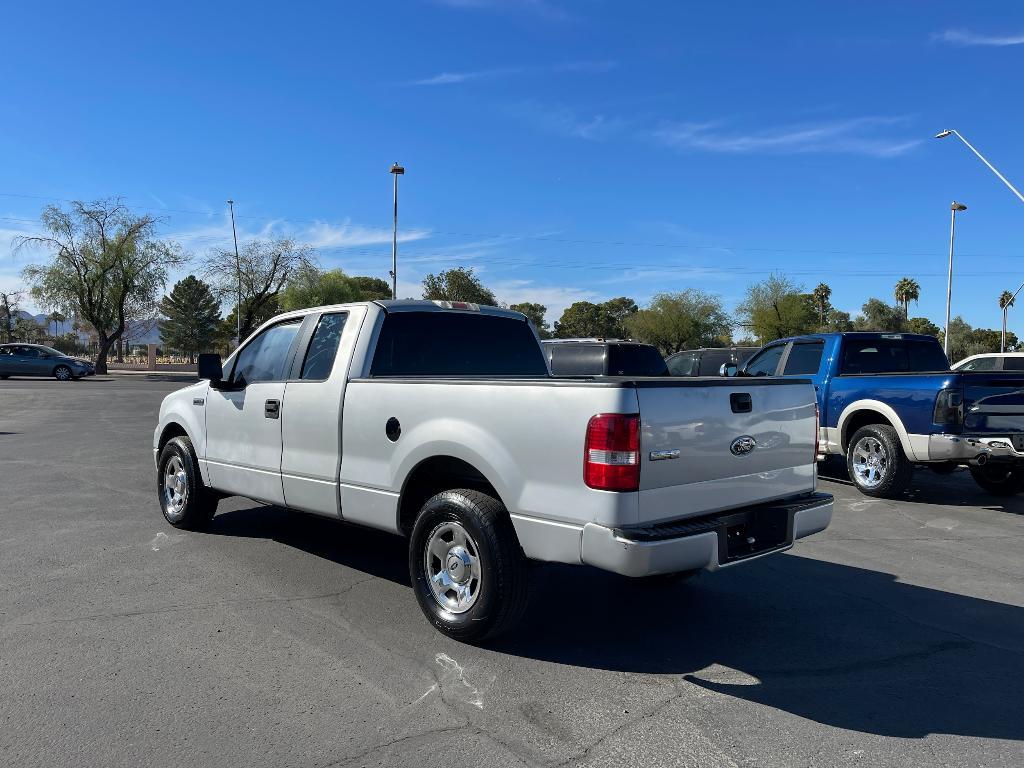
{"points": [[175, 487], [451, 561], [870, 462]]}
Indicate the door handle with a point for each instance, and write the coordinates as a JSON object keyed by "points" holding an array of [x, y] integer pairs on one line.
{"points": [[272, 409]]}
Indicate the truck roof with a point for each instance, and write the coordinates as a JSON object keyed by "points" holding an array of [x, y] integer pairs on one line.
{"points": [[426, 305], [858, 335]]}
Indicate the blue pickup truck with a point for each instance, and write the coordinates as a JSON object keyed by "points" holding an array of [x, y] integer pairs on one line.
{"points": [[888, 402]]}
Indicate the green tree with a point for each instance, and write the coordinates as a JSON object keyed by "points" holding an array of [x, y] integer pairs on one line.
{"points": [[776, 308], [458, 284], [371, 288], [683, 320], [584, 319], [106, 265], [876, 315], [191, 316], [536, 313], [822, 295], [310, 286], [960, 338], [264, 268], [922, 325], [1006, 300], [837, 321], [906, 291]]}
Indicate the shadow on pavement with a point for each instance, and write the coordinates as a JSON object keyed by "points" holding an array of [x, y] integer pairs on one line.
{"points": [[848, 647]]}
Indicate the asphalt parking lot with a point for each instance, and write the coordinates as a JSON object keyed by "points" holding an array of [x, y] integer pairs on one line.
{"points": [[895, 638]]}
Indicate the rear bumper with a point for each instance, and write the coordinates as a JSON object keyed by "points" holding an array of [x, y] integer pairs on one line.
{"points": [[971, 448], [712, 542]]}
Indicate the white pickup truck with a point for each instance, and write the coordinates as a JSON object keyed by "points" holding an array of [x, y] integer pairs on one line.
{"points": [[440, 422]]}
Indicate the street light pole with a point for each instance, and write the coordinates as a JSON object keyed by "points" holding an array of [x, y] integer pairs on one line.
{"points": [[396, 171], [238, 272], [950, 131], [953, 208]]}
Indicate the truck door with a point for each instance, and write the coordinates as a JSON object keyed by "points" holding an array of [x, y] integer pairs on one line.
{"points": [[311, 424], [243, 420]]}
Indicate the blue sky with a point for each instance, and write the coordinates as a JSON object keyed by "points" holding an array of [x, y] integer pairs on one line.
{"points": [[566, 150]]}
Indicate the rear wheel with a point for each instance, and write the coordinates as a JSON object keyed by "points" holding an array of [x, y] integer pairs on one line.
{"points": [[184, 500], [876, 462], [469, 575], [999, 479], [62, 373]]}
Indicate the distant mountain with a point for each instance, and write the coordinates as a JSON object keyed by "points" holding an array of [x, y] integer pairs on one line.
{"points": [[147, 335]]}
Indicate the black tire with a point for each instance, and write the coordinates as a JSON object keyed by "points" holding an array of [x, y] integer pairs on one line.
{"points": [[891, 471], [199, 503], [999, 479], [63, 373], [502, 587]]}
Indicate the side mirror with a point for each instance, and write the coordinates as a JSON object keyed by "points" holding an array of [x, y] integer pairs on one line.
{"points": [[728, 369], [209, 367]]}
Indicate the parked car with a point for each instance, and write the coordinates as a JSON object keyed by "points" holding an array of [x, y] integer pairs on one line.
{"points": [[992, 361], [603, 357], [889, 401], [439, 422], [37, 360], [707, 361]]}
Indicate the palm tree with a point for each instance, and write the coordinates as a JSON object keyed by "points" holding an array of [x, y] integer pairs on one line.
{"points": [[55, 318], [821, 296], [906, 291], [1006, 300]]}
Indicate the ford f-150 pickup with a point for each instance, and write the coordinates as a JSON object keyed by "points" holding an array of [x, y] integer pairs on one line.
{"points": [[441, 422], [888, 401]]}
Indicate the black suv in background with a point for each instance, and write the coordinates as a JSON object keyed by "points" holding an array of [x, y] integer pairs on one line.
{"points": [[603, 357], [708, 361]]}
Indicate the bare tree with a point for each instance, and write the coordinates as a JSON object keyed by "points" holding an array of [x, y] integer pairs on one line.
{"points": [[9, 308], [264, 267], [104, 262]]}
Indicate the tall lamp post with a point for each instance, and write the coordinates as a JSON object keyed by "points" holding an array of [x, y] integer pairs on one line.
{"points": [[238, 272], [951, 132], [396, 171], [953, 208]]}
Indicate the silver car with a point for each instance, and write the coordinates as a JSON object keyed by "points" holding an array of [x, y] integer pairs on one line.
{"points": [[37, 360]]}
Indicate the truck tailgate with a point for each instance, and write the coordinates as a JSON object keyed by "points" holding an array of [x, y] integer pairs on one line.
{"points": [[715, 444], [994, 402]]}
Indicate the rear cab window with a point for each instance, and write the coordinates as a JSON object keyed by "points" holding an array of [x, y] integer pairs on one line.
{"points": [[453, 343], [804, 358], [892, 355]]}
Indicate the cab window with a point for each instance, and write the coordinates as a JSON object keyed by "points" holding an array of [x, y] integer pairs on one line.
{"points": [[323, 348], [765, 362], [264, 358], [804, 358], [981, 364]]}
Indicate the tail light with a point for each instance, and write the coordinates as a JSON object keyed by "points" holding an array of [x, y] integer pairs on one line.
{"points": [[611, 453], [817, 431], [949, 407]]}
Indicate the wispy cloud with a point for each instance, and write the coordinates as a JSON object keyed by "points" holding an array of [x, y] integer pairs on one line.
{"points": [[563, 121], [856, 136], [965, 37], [454, 78]]}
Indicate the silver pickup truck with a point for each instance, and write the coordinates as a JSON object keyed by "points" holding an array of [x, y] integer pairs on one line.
{"points": [[440, 422]]}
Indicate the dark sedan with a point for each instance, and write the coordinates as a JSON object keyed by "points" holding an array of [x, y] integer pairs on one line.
{"points": [[37, 360]]}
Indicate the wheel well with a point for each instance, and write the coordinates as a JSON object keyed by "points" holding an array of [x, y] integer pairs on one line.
{"points": [[430, 477], [862, 419], [172, 430]]}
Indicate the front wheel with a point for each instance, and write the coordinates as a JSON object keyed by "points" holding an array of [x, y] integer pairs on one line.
{"points": [[876, 462], [184, 500], [469, 575], [62, 373], [999, 479]]}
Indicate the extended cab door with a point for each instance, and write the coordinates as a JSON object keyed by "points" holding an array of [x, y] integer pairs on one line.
{"points": [[243, 419], [311, 424]]}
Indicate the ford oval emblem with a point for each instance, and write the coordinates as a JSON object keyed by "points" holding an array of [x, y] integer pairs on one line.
{"points": [[743, 446]]}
